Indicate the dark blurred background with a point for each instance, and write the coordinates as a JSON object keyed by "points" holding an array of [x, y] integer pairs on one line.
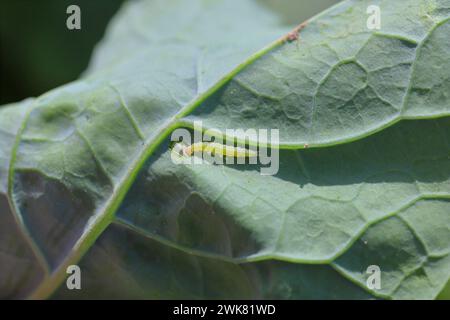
{"points": [[39, 53]]}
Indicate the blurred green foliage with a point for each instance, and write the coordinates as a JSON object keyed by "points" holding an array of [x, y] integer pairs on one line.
{"points": [[38, 52], [296, 11]]}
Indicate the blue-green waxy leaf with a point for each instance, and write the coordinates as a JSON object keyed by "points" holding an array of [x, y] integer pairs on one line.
{"points": [[86, 175], [20, 267]]}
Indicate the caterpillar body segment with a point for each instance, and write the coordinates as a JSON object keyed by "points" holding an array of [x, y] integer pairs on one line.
{"points": [[217, 148]]}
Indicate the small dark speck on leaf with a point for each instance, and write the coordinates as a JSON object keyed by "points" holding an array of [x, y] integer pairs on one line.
{"points": [[294, 34]]}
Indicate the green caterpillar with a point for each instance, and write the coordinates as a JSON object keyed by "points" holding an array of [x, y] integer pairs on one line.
{"points": [[214, 148]]}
